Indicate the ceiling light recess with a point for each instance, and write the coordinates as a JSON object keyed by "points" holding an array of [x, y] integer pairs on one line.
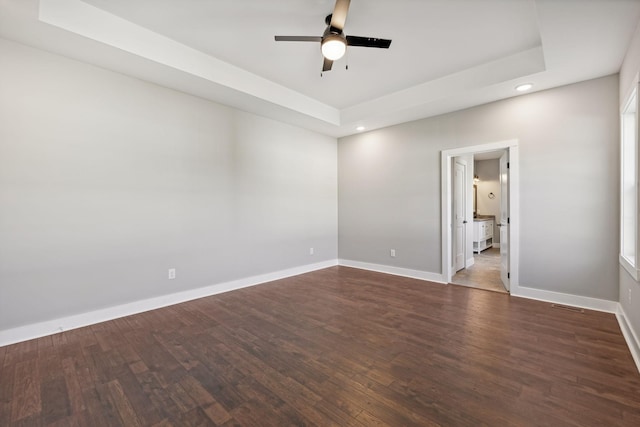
{"points": [[333, 46], [524, 87], [360, 128]]}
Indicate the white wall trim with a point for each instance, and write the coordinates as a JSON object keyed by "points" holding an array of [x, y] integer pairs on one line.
{"points": [[530, 293], [629, 335], [396, 271], [470, 262], [632, 270], [96, 24], [50, 327], [567, 299], [523, 292]]}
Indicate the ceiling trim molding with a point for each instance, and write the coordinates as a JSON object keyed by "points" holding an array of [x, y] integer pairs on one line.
{"points": [[504, 69], [81, 31], [91, 22]]}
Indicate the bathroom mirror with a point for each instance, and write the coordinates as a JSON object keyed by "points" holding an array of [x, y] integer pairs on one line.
{"points": [[475, 200]]}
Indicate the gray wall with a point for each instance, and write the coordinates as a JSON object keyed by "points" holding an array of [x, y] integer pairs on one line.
{"points": [[107, 181], [389, 186]]}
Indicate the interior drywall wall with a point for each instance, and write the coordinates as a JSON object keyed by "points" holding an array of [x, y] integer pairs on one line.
{"points": [[488, 172], [107, 181], [389, 186]]}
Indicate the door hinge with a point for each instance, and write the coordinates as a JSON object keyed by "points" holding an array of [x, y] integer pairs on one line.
{"points": [[509, 220], [507, 165], [508, 275]]}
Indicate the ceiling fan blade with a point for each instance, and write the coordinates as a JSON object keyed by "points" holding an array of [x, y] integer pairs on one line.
{"points": [[368, 42], [298, 39], [339, 16], [326, 66]]}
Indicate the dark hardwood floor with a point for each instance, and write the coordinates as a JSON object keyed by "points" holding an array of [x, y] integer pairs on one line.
{"points": [[340, 347]]}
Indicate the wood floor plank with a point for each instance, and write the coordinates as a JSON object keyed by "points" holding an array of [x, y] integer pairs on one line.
{"points": [[3, 353], [26, 390], [337, 346], [7, 377], [122, 404], [138, 400], [217, 413], [74, 390], [195, 417], [55, 400], [97, 414], [222, 387]]}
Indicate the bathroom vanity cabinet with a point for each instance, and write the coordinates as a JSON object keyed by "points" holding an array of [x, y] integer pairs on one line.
{"points": [[482, 234]]}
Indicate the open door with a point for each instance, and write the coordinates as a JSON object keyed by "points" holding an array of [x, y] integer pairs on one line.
{"points": [[459, 212], [504, 221]]}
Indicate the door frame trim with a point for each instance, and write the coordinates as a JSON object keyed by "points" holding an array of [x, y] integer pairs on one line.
{"points": [[511, 146]]}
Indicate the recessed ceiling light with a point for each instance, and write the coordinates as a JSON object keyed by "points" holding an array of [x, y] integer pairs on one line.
{"points": [[360, 128], [524, 87]]}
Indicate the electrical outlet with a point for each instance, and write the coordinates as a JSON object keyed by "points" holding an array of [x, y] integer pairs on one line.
{"points": [[311, 251], [629, 295], [393, 253], [172, 273]]}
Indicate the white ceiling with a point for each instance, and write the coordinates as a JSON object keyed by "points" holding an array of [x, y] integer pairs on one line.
{"points": [[249, 27], [446, 54], [490, 155]]}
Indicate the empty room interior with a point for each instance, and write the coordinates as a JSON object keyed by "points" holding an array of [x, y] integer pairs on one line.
{"points": [[328, 212]]}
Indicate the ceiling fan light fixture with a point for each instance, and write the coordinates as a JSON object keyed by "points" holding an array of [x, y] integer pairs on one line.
{"points": [[333, 47]]}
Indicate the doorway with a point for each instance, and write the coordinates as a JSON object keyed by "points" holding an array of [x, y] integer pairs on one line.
{"points": [[491, 225], [483, 271]]}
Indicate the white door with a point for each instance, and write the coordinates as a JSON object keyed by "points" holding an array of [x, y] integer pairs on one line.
{"points": [[459, 209], [504, 220]]}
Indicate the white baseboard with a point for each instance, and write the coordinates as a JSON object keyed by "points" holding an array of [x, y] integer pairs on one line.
{"points": [[470, 262], [396, 271], [566, 299], [496, 245], [629, 334], [50, 327]]}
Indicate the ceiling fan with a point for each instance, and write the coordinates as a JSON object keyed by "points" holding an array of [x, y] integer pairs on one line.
{"points": [[333, 42]]}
